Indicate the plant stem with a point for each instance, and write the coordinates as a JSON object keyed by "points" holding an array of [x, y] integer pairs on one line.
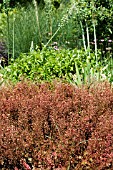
{"points": [[13, 36], [64, 21], [87, 30], [95, 40], [37, 19], [83, 36], [8, 32], [52, 37]]}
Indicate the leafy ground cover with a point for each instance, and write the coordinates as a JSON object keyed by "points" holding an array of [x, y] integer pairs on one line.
{"points": [[56, 126], [75, 66]]}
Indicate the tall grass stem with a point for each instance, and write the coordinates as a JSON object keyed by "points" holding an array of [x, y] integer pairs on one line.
{"points": [[37, 19], [13, 35], [87, 30], [8, 33], [95, 40], [64, 20], [83, 36]]}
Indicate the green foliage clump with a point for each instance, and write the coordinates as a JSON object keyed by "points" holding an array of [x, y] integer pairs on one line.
{"points": [[77, 66]]}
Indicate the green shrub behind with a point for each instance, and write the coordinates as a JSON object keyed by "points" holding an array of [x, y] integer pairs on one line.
{"points": [[69, 65]]}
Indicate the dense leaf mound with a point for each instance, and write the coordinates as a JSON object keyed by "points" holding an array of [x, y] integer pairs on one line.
{"points": [[56, 126]]}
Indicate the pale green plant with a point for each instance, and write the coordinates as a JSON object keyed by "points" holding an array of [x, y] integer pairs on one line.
{"points": [[6, 6], [64, 20], [13, 36], [37, 20], [83, 36]]}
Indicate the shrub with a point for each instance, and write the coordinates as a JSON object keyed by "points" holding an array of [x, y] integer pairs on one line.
{"points": [[100, 151], [56, 125], [75, 66]]}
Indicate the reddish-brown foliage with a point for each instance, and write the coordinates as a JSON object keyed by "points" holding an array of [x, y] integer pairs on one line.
{"points": [[56, 126]]}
